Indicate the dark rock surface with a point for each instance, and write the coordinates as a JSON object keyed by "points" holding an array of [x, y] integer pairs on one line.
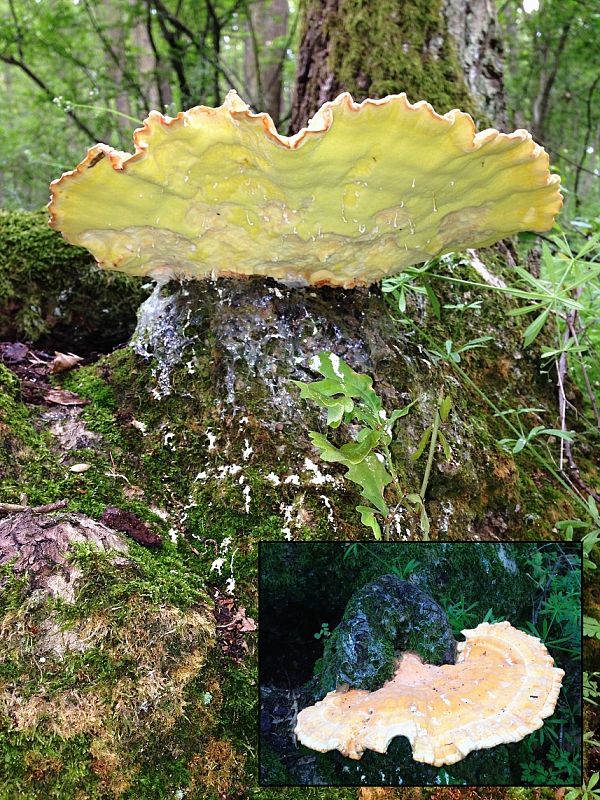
{"points": [[386, 617]]}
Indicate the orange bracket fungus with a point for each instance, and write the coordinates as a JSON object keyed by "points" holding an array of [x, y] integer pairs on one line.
{"points": [[502, 687], [364, 191]]}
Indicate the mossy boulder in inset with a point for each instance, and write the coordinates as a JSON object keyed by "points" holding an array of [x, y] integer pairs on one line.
{"points": [[383, 619]]}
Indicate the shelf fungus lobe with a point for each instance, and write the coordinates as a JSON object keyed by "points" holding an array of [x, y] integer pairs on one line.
{"points": [[502, 687], [364, 191]]}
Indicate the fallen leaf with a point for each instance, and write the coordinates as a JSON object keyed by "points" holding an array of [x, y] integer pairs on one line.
{"points": [[64, 398], [245, 623], [79, 467], [64, 361], [132, 491]]}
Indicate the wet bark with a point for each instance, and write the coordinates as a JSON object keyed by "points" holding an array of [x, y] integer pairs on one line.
{"points": [[221, 361]]}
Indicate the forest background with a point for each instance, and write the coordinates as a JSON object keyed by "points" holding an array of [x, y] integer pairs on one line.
{"points": [[74, 73]]}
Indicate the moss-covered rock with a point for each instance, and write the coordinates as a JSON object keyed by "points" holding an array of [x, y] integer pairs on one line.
{"points": [[52, 292], [386, 617], [103, 666]]}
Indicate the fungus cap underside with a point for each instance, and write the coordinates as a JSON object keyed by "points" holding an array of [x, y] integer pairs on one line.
{"points": [[502, 687], [364, 191]]}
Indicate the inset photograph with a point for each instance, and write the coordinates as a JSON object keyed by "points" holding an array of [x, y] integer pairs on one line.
{"points": [[418, 664]]}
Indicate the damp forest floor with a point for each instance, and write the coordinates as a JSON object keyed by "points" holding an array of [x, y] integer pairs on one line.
{"points": [[206, 483]]}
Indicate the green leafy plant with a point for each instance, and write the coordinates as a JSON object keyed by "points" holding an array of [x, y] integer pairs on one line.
{"points": [[564, 302], [452, 352], [474, 305], [591, 691], [551, 755], [518, 444], [591, 627], [349, 397], [587, 791], [590, 529], [461, 615], [562, 765], [394, 566], [411, 281], [431, 435], [323, 632]]}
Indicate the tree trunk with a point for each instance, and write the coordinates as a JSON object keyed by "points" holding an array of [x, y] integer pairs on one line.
{"points": [[550, 63], [264, 51], [151, 73], [224, 357], [446, 53], [226, 354]]}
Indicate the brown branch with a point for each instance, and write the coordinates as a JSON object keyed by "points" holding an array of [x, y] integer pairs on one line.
{"points": [[586, 140], [176, 51], [543, 100], [198, 44], [131, 83], [18, 507], [157, 59], [216, 40]]}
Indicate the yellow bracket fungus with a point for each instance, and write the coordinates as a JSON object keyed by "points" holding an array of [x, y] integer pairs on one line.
{"points": [[364, 191], [502, 687]]}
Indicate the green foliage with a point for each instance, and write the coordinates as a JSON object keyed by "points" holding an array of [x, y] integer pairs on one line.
{"points": [[591, 627], [591, 690], [566, 296], [551, 69], [516, 445], [323, 632], [590, 529], [461, 615], [556, 620], [71, 77], [587, 791], [349, 397], [452, 352]]}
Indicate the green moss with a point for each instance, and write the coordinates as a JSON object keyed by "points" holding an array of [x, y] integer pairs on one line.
{"points": [[98, 717], [381, 49], [49, 286]]}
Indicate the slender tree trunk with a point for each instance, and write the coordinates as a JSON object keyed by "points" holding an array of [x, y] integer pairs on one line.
{"points": [[551, 60], [150, 69], [264, 51]]}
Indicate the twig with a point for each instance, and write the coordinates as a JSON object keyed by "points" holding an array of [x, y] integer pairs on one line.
{"points": [[565, 445], [588, 385], [18, 507]]}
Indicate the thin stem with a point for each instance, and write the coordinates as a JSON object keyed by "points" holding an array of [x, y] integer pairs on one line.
{"points": [[431, 454]]}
